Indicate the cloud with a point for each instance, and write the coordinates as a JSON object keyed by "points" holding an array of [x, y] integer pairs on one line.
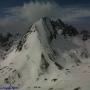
{"points": [[34, 11], [74, 13], [18, 18]]}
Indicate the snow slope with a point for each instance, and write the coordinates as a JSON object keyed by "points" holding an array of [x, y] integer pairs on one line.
{"points": [[43, 62]]}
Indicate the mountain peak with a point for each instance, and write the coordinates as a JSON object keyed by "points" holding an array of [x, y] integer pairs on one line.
{"points": [[44, 54]]}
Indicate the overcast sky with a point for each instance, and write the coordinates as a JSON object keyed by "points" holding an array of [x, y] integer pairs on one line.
{"points": [[17, 15]]}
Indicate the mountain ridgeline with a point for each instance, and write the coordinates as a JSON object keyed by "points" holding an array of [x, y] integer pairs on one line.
{"points": [[6, 41], [52, 25], [50, 56]]}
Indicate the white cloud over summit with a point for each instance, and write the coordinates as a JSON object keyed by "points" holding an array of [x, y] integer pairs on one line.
{"points": [[20, 17]]}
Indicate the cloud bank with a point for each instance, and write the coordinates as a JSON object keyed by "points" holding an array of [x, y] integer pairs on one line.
{"points": [[18, 19]]}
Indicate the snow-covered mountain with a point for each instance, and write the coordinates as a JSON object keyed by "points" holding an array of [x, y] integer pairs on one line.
{"points": [[50, 56], [7, 43]]}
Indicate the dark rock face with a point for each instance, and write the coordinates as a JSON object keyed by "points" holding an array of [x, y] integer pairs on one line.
{"points": [[44, 64], [21, 43], [58, 24], [85, 35], [85, 54], [51, 28], [70, 31], [54, 80], [66, 29], [78, 88], [6, 41], [75, 58], [13, 78], [59, 66]]}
